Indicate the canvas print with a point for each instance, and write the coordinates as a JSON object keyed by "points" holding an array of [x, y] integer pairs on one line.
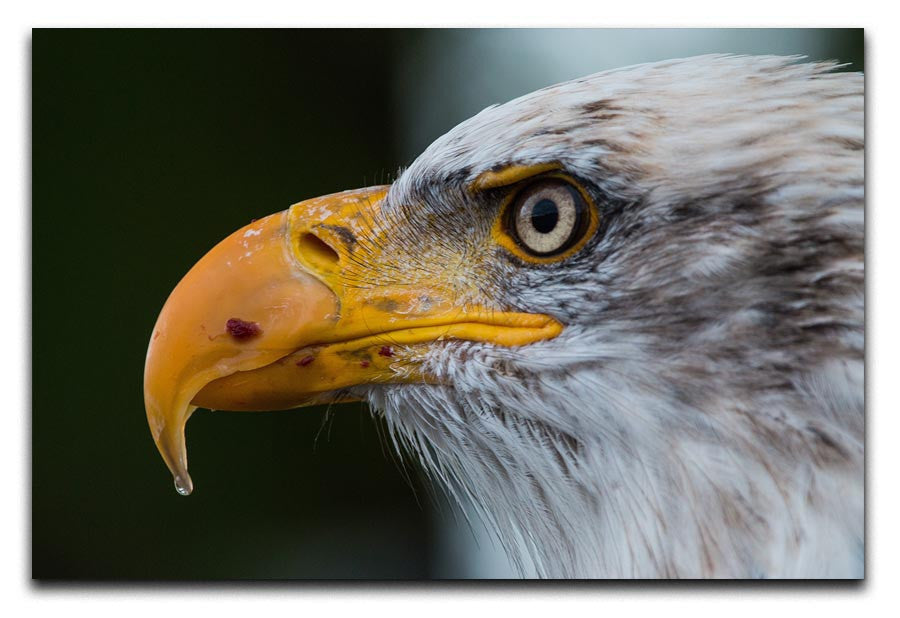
{"points": [[581, 304]]}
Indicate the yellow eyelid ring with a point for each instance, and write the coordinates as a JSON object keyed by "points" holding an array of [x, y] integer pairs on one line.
{"points": [[509, 175], [506, 238]]}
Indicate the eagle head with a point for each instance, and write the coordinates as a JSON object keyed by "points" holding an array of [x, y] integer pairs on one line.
{"points": [[623, 315]]}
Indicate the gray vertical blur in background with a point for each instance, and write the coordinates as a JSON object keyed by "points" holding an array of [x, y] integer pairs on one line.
{"points": [[148, 148], [443, 77]]}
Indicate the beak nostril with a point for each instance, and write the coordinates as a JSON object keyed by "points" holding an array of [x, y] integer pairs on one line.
{"points": [[317, 251]]}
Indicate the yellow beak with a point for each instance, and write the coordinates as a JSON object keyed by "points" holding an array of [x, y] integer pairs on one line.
{"points": [[286, 311]]}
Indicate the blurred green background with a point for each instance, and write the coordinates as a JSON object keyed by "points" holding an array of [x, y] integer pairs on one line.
{"points": [[148, 147]]}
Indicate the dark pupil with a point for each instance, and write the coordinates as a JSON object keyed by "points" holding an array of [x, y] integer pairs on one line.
{"points": [[544, 216]]}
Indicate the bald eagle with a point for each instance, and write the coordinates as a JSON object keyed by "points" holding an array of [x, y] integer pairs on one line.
{"points": [[623, 315]]}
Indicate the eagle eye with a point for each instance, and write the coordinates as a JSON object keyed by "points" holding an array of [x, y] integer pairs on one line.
{"points": [[548, 217]]}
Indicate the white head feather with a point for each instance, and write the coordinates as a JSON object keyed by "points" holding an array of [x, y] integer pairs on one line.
{"points": [[702, 413]]}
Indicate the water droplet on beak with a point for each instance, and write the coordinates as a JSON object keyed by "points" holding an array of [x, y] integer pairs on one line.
{"points": [[184, 485]]}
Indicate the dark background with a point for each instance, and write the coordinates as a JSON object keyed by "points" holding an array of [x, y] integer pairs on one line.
{"points": [[148, 147]]}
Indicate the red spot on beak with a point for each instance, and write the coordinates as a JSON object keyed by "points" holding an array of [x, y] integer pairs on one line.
{"points": [[364, 364], [303, 362], [385, 351], [241, 330]]}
